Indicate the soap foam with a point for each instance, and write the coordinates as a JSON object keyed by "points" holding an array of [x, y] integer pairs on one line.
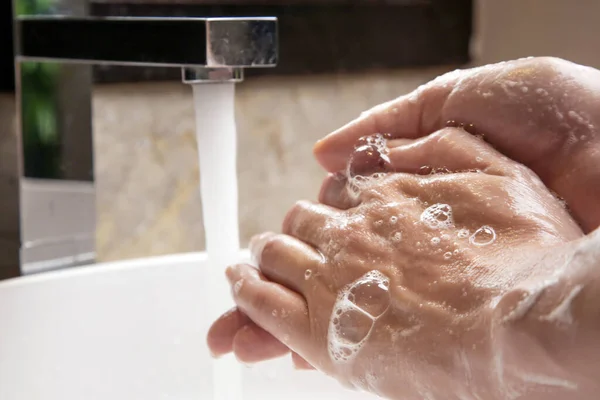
{"points": [[397, 237], [438, 216], [463, 233], [307, 274], [354, 313], [370, 153]]}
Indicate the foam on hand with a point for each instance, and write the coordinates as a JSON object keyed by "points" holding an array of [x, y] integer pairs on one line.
{"points": [[354, 313]]}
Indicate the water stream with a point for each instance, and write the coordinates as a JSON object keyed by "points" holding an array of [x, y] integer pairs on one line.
{"points": [[216, 136]]}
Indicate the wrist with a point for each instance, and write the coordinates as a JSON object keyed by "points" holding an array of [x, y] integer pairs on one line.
{"points": [[545, 331], [576, 179]]}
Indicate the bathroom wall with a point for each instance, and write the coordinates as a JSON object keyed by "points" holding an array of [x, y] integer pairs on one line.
{"points": [[510, 29], [147, 170], [147, 174], [146, 157]]}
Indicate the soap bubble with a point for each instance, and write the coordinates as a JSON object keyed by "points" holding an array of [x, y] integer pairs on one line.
{"points": [[371, 155], [463, 233], [438, 216], [356, 309], [483, 236]]}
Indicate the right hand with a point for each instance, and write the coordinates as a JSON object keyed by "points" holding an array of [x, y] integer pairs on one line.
{"points": [[541, 112], [393, 287]]}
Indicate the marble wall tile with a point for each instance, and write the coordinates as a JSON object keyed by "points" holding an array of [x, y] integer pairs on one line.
{"points": [[146, 156]]}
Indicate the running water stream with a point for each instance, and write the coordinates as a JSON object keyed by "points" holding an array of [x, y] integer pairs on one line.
{"points": [[216, 136]]}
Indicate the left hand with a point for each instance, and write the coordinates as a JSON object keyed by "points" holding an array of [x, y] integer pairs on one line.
{"points": [[327, 246]]}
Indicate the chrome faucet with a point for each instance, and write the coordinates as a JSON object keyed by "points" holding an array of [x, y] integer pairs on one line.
{"points": [[55, 49]]}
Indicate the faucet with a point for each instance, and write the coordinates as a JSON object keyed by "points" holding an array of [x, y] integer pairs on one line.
{"points": [[55, 222]]}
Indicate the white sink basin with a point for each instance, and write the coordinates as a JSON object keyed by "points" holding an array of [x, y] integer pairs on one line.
{"points": [[127, 331]]}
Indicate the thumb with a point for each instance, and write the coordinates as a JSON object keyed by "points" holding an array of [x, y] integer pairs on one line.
{"points": [[410, 116]]}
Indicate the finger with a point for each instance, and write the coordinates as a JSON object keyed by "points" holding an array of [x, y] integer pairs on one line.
{"points": [[449, 149], [409, 116], [223, 330], [253, 344], [275, 308], [284, 259], [300, 363], [334, 193], [307, 221]]}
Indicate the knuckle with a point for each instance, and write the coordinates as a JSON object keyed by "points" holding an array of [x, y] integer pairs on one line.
{"points": [[260, 301], [291, 217], [443, 138], [551, 64], [548, 69], [271, 250], [293, 221]]}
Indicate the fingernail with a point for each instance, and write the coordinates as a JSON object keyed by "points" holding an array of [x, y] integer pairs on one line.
{"points": [[332, 188], [232, 274], [215, 355], [257, 244]]}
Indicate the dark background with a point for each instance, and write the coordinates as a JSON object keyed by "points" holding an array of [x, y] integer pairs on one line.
{"points": [[7, 80], [315, 37]]}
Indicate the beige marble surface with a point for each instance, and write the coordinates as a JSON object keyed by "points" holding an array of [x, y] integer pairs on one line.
{"points": [[146, 156], [146, 167]]}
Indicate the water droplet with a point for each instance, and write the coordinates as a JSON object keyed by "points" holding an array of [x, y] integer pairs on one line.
{"points": [[397, 237], [393, 219], [441, 170], [445, 236], [447, 255], [238, 287], [307, 274], [478, 159], [483, 236], [435, 241], [424, 170], [274, 313], [463, 233]]}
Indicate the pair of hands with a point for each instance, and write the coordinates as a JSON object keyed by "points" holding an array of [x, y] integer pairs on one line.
{"points": [[393, 290]]}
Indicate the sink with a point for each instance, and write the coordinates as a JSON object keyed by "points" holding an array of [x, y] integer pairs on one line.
{"points": [[125, 331]]}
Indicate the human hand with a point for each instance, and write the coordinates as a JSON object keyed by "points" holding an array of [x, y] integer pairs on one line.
{"points": [[541, 112], [424, 257]]}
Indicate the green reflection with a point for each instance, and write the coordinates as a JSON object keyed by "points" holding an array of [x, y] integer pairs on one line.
{"points": [[32, 7], [39, 108], [39, 105]]}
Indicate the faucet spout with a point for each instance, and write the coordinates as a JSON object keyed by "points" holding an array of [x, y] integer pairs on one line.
{"points": [[179, 42], [54, 189], [195, 75]]}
